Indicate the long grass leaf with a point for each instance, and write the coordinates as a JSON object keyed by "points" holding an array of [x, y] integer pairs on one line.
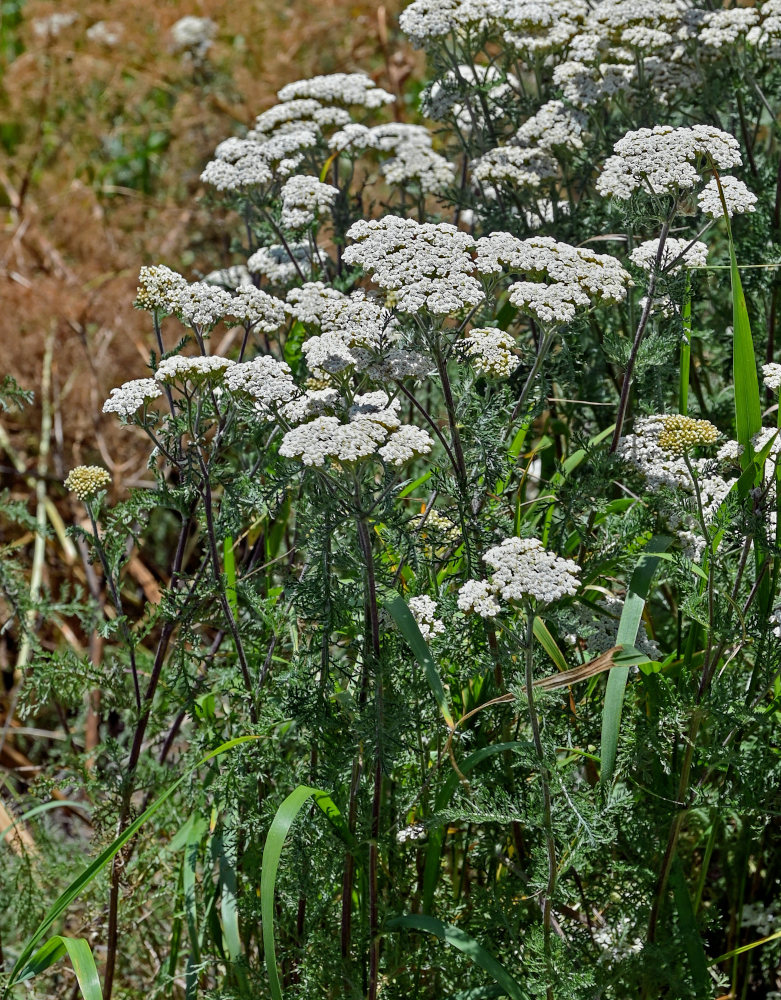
{"points": [[94, 869], [82, 960], [269, 866], [408, 627], [687, 924], [628, 625], [465, 943]]}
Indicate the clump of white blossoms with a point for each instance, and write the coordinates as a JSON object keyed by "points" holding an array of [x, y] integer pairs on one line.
{"points": [[280, 264], [554, 126], [86, 481], [576, 276], [726, 27], [771, 376], [205, 368], [427, 265], [339, 88], [372, 429], [128, 398], [676, 255], [523, 571], [199, 304], [737, 196], [108, 33], [159, 288], [513, 166], [257, 309], [424, 611], [54, 24], [658, 446], [491, 352], [665, 160], [194, 36], [266, 382], [303, 199]]}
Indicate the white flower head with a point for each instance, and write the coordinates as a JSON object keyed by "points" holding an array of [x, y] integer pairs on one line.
{"points": [[426, 265], [303, 199], [491, 352], [257, 308], [737, 196], [126, 399], [524, 570], [194, 36], [424, 611], [268, 383], [282, 265], [772, 376], [694, 254], [198, 370], [350, 89], [665, 160]]}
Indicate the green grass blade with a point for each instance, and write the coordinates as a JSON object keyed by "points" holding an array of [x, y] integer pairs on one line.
{"points": [[548, 643], [408, 627], [82, 960], [465, 943], [229, 564], [94, 869], [272, 851], [748, 405], [629, 623], [687, 923]]}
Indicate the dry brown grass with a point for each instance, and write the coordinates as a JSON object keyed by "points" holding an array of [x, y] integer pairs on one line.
{"points": [[74, 235]]}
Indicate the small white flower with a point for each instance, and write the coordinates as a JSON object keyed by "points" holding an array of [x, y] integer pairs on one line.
{"points": [[193, 35], [210, 368], [280, 264], [478, 596], [339, 88], [303, 199], [645, 255], [772, 376]]}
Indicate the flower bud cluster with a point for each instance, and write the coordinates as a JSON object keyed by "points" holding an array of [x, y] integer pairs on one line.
{"points": [[86, 481]]}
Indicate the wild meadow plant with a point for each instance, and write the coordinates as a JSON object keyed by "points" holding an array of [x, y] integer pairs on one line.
{"points": [[464, 676]]}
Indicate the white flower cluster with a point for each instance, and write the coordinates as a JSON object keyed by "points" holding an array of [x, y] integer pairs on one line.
{"points": [[576, 276], [205, 368], [413, 160], [685, 253], [339, 88], [303, 199], [772, 376], [737, 196], [523, 570], [194, 36], [54, 24], [280, 264], [554, 126], [726, 27], [372, 429], [424, 611], [513, 166], [108, 33], [292, 114], [268, 383], [199, 304], [232, 277], [256, 161], [491, 352], [665, 160], [415, 832], [126, 399], [427, 265], [657, 448], [768, 32]]}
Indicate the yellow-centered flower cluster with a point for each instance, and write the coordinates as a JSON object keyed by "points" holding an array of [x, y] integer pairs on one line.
{"points": [[86, 481], [680, 434]]}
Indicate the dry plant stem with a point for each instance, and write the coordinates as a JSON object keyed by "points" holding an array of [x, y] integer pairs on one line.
{"points": [[626, 386], [550, 843], [168, 629]]}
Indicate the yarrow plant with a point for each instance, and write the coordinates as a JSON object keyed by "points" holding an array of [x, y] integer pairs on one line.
{"points": [[471, 520]]}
